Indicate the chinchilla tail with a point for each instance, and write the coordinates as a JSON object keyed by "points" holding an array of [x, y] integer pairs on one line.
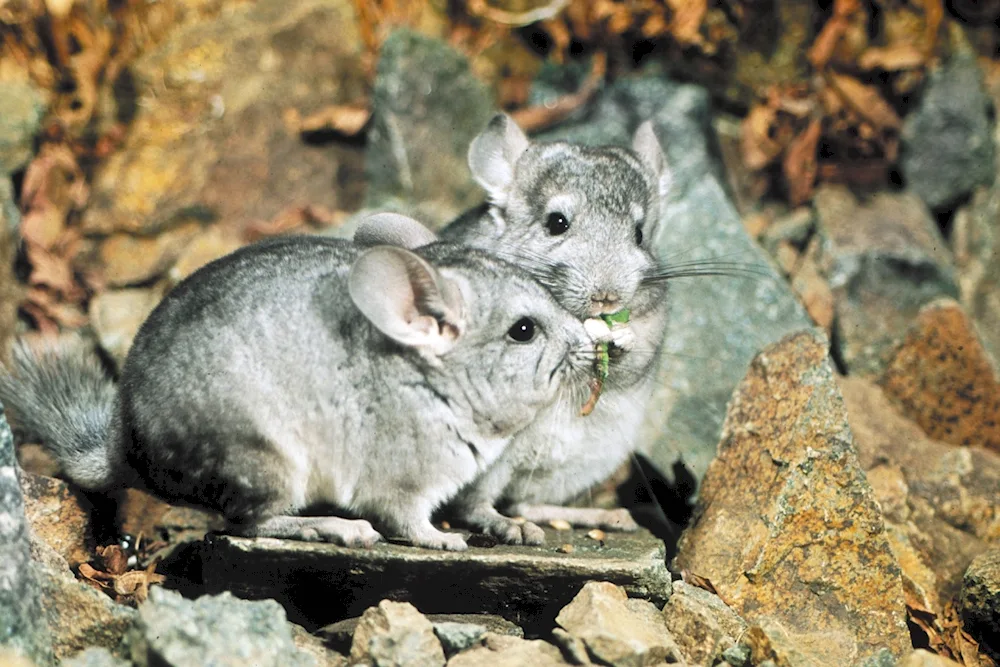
{"points": [[61, 397]]}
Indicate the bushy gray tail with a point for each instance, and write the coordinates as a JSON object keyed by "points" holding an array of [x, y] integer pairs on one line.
{"points": [[61, 397]]}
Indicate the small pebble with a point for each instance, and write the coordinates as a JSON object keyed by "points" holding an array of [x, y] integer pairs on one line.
{"points": [[560, 524]]}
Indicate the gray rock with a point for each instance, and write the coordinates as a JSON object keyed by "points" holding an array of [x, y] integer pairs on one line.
{"points": [[457, 637], [339, 635], [214, 630], [703, 626], [717, 323], [426, 108], [504, 651], [980, 601], [395, 633], [94, 657], [618, 631], [884, 259], [947, 142], [320, 583], [737, 656], [22, 624], [22, 106], [10, 215]]}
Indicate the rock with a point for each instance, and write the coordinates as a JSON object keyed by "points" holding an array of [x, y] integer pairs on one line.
{"points": [[210, 142], [884, 259], [116, 316], [23, 630], [214, 629], [618, 631], [706, 349], [395, 633], [941, 377], [795, 228], [314, 646], [297, 575], [56, 515], [457, 637], [94, 657], [210, 245], [737, 656], [505, 651], [701, 624], [947, 141], [129, 260], [939, 499], [922, 658], [78, 615], [22, 107], [339, 635], [980, 601], [11, 290], [427, 107], [787, 527]]}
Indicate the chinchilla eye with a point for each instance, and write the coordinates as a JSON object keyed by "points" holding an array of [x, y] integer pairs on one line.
{"points": [[638, 234], [556, 223], [523, 330]]}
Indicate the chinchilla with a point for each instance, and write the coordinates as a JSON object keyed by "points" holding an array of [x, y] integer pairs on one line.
{"points": [[308, 371], [580, 220]]}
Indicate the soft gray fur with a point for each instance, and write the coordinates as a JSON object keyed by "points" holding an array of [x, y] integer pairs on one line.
{"points": [[598, 265], [308, 371]]}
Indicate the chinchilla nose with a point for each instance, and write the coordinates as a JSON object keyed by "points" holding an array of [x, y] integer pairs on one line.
{"points": [[604, 302]]}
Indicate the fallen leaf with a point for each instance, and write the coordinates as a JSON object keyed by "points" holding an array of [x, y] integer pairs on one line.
{"points": [[699, 581], [114, 558], [757, 146], [833, 30], [892, 58], [344, 119], [134, 585], [685, 25], [865, 101], [800, 165]]}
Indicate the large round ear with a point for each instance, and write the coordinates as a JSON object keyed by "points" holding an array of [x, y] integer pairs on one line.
{"points": [[392, 229], [492, 156], [407, 299], [648, 148]]}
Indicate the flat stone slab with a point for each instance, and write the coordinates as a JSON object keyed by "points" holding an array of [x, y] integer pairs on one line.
{"points": [[320, 583]]}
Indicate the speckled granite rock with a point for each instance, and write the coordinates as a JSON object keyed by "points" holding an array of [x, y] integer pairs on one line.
{"points": [[941, 377], [788, 529]]}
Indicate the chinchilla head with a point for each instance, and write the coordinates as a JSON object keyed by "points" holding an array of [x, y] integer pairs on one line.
{"points": [[488, 337], [580, 218]]}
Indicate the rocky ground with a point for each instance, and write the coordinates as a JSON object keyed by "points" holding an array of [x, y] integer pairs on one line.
{"points": [[834, 398]]}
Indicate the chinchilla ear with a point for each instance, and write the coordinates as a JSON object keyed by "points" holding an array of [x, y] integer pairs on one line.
{"points": [[392, 229], [493, 154], [407, 299], [646, 145]]}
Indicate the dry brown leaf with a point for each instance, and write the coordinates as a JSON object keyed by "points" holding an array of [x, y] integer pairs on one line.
{"points": [[292, 220], [833, 30], [892, 58], [685, 25], [114, 559], [50, 270], [698, 581], [756, 145], [865, 101], [533, 119], [933, 15], [800, 166], [344, 119], [134, 585]]}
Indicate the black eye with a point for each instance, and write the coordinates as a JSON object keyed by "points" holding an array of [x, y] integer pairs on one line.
{"points": [[557, 224], [523, 330], [638, 234]]}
